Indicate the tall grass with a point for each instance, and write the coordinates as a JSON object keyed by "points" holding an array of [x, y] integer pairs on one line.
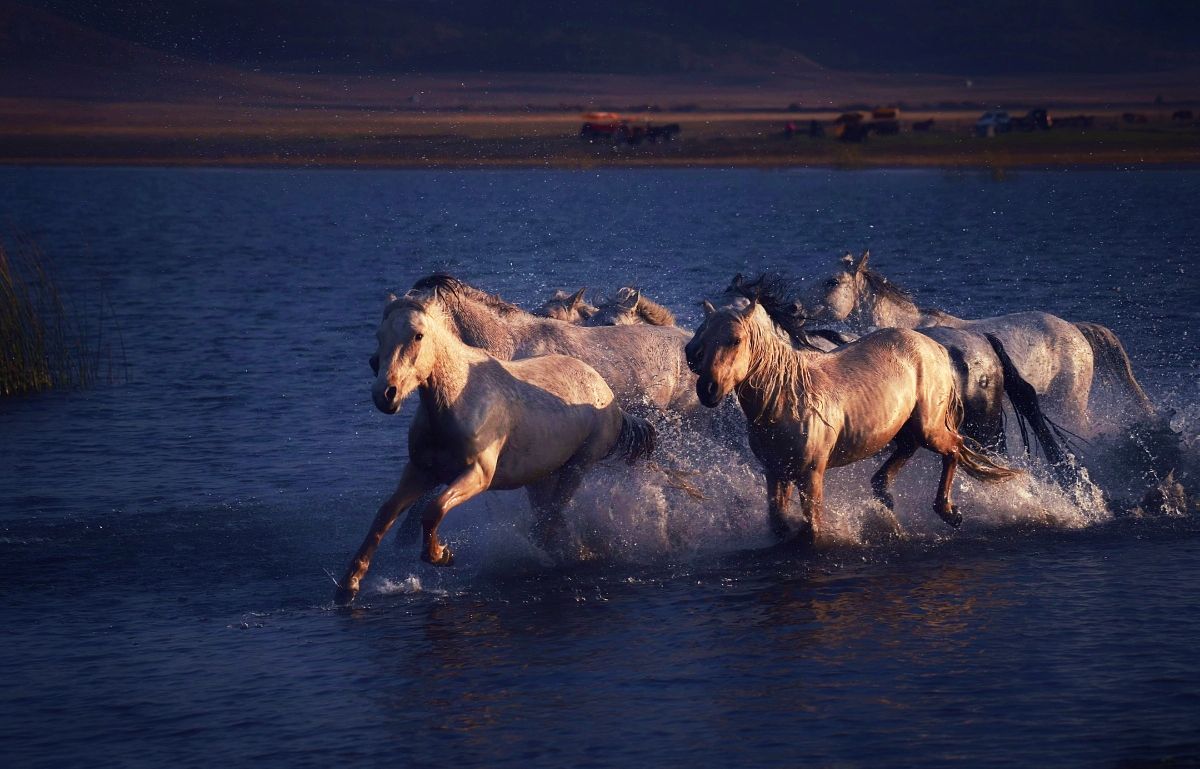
{"points": [[43, 343]]}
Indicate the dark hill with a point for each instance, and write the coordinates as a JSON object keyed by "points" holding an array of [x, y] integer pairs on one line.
{"points": [[670, 36]]}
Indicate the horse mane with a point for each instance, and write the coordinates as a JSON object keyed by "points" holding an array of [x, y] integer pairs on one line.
{"points": [[654, 313], [885, 289], [779, 373], [777, 294], [448, 285]]}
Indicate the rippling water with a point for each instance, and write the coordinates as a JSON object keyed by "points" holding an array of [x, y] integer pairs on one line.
{"points": [[163, 542]]}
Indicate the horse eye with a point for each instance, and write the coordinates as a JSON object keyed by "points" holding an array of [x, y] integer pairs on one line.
{"points": [[419, 337]]}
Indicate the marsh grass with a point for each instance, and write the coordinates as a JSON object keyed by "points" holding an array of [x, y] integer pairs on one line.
{"points": [[44, 343]]}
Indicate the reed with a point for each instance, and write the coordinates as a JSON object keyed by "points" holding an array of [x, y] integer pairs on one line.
{"points": [[44, 344]]}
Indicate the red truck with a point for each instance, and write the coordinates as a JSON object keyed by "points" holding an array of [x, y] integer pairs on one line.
{"points": [[611, 127]]}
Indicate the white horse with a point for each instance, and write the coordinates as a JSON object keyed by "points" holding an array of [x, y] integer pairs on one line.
{"points": [[486, 424], [1055, 356]]}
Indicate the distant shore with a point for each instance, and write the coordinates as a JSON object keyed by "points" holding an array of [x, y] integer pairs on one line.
{"points": [[138, 135]]}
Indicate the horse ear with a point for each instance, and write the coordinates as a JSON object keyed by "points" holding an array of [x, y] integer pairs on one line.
{"points": [[708, 308], [736, 283], [628, 298], [862, 263], [848, 260], [577, 297], [391, 297]]}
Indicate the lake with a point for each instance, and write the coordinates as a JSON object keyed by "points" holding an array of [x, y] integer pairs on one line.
{"points": [[164, 540]]}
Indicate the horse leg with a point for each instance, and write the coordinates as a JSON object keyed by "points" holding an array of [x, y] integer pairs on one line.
{"points": [[811, 485], [885, 476], [471, 483], [413, 483], [548, 497], [779, 493]]}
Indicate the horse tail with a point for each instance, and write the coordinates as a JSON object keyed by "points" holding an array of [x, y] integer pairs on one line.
{"points": [[981, 467], [637, 438], [1030, 416], [972, 460], [1107, 348]]}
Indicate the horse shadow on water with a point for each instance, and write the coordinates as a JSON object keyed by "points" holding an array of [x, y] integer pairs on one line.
{"points": [[702, 493]]}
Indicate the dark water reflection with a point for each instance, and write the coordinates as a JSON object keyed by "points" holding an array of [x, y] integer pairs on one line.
{"points": [[163, 543]]}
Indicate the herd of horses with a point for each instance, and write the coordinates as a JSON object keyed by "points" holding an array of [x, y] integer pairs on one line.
{"points": [[511, 399]]}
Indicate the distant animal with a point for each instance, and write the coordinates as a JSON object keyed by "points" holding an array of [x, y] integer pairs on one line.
{"points": [[644, 365], [628, 307], [806, 410], [984, 373], [483, 423], [1056, 357]]}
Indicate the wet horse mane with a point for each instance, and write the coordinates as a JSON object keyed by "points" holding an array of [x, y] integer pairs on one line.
{"points": [[448, 285], [885, 289], [654, 313], [777, 295], [778, 372]]}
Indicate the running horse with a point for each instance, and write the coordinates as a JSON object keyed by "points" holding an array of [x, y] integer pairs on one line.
{"points": [[486, 424], [1057, 357], [628, 307], [808, 410]]}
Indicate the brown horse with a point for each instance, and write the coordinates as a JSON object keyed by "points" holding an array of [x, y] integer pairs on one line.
{"points": [[486, 424], [808, 410]]}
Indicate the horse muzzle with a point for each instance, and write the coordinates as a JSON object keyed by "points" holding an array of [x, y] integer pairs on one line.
{"points": [[709, 392], [386, 399]]}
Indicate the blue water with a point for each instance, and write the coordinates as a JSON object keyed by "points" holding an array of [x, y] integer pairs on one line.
{"points": [[164, 541]]}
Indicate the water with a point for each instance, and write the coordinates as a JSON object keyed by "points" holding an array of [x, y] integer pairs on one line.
{"points": [[164, 542]]}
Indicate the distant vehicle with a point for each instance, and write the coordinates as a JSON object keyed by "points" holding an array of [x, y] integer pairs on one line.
{"points": [[611, 127], [992, 123], [1034, 120], [850, 127], [885, 121]]}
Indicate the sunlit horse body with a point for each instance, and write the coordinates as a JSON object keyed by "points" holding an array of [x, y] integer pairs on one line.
{"points": [[644, 365], [627, 307], [984, 373], [1055, 356], [486, 424], [808, 410]]}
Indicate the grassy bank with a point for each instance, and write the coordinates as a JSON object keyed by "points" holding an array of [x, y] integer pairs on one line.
{"points": [[43, 343], [141, 135]]}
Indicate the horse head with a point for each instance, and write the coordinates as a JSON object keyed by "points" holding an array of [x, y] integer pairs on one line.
{"points": [[720, 353], [406, 349], [570, 308], [621, 310], [839, 295]]}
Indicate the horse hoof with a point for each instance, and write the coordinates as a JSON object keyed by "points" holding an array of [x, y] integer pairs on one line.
{"points": [[445, 558], [951, 516], [345, 595]]}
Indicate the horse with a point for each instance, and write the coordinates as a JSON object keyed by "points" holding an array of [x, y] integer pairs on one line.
{"points": [[483, 423], [984, 372], [572, 308], [644, 365], [807, 410], [1055, 356], [628, 307]]}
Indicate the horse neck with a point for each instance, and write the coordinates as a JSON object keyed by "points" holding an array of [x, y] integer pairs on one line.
{"points": [[450, 372], [480, 326], [887, 312], [779, 382]]}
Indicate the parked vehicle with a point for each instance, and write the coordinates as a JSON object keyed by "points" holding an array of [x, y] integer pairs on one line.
{"points": [[885, 121], [992, 123], [1034, 120], [611, 127]]}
